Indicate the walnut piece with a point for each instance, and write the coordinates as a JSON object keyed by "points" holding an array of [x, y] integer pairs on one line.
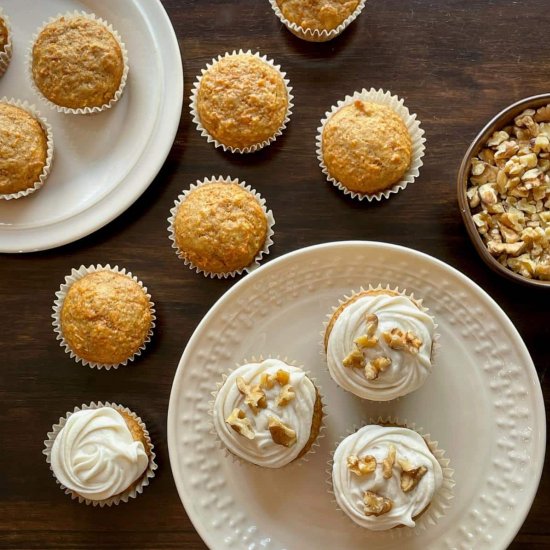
{"points": [[410, 475], [281, 433], [376, 505], [401, 340], [254, 395], [286, 395], [363, 466], [388, 462], [376, 366], [355, 359], [267, 381], [283, 377], [238, 421]]}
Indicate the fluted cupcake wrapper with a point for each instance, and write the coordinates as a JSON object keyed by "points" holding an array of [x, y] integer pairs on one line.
{"points": [[418, 140], [440, 502], [238, 460], [80, 110], [77, 274], [317, 35], [264, 251], [251, 148], [5, 54], [436, 346], [31, 109], [132, 492]]}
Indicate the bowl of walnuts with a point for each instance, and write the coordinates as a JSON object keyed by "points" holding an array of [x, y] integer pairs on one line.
{"points": [[504, 191]]}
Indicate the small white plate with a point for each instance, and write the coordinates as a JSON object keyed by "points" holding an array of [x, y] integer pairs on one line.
{"points": [[483, 403], [104, 162]]}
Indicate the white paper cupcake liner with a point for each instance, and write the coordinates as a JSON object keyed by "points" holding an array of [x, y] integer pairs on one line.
{"points": [[81, 110], [77, 274], [261, 201], [440, 502], [204, 132], [436, 346], [418, 140], [5, 54], [31, 109], [317, 35], [129, 493], [297, 462]]}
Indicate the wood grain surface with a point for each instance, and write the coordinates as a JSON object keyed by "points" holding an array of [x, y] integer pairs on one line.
{"points": [[456, 63]]}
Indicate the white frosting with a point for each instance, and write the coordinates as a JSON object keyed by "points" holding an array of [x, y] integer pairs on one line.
{"points": [[349, 488], [297, 414], [407, 371], [95, 455]]}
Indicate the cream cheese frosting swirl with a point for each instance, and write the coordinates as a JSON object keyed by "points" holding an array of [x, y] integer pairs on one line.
{"points": [[349, 488], [407, 371], [297, 414], [95, 455]]}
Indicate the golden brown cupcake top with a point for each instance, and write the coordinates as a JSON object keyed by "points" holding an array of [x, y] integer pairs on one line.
{"points": [[220, 227], [77, 63], [366, 147], [242, 101], [317, 14], [105, 317], [23, 149], [4, 36]]}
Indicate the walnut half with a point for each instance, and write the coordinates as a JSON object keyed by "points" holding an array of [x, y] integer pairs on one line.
{"points": [[254, 395], [238, 421], [376, 505], [286, 395], [399, 339], [376, 366], [281, 433], [410, 475], [363, 466]]}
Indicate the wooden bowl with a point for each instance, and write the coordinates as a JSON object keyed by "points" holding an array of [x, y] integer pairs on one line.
{"points": [[501, 120]]}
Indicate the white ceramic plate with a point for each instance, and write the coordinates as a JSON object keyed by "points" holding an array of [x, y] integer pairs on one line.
{"points": [[104, 162], [483, 403]]}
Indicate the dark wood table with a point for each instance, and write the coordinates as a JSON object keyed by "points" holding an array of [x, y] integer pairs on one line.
{"points": [[455, 63]]}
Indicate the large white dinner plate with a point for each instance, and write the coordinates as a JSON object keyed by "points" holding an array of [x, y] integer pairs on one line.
{"points": [[104, 162], [483, 403]]}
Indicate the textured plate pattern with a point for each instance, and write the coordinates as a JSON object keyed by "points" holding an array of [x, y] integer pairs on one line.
{"points": [[483, 404]]}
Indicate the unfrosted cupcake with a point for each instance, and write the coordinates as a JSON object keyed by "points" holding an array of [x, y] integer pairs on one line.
{"points": [[268, 413], [385, 477], [101, 454], [366, 147], [379, 344], [103, 317], [24, 154], [241, 102], [78, 63], [5, 43]]}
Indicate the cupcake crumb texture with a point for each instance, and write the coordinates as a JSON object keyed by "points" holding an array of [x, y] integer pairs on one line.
{"points": [[317, 14]]}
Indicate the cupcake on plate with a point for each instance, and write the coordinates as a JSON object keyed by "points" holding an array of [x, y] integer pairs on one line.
{"points": [[268, 413], [101, 455], [103, 317], [379, 344], [317, 20], [5, 43], [26, 149], [78, 63], [386, 476], [221, 227], [241, 102]]}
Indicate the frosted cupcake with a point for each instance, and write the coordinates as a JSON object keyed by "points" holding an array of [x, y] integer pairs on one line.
{"points": [[378, 344], [268, 413], [385, 477]]}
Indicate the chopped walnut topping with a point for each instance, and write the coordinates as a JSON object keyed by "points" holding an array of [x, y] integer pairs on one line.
{"points": [[410, 475], [369, 339], [376, 505], [267, 381], [283, 377], [376, 366], [281, 433], [238, 421], [354, 360], [363, 466], [254, 396], [388, 462], [286, 395], [398, 339]]}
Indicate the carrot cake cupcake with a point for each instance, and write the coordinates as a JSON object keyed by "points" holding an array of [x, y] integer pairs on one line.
{"points": [[317, 14], [241, 101], [99, 454], [23, 149], [105, 318], [366, 147], [268, 413], [5, 43], [220, 227], [379, 344], [385, 477], [78, 63]]}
